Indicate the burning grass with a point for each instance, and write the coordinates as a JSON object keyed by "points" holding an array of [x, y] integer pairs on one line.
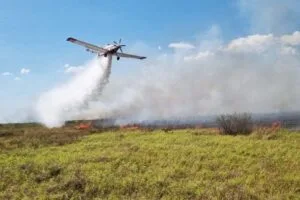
{"points": [[135, 163]]}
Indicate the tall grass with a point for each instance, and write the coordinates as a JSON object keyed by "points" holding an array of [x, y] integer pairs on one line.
{"points": [[157, 164]]}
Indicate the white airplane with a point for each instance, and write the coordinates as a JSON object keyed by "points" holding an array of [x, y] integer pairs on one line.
{"points": [[110, 49]]}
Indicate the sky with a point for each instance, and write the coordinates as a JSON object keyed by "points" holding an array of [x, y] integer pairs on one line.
{"points": [[34, 55]]}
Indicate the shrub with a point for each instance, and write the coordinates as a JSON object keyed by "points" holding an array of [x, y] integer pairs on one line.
{"points": [[234, 124]]}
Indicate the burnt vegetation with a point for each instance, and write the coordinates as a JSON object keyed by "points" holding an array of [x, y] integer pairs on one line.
{"points": [[35, 136]]}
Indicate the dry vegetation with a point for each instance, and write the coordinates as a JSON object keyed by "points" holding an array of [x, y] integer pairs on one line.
{"points": [[67, 163], [34, 136]]}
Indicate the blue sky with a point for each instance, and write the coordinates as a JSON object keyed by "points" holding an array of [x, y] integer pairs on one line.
{"points": [[33, 34]]}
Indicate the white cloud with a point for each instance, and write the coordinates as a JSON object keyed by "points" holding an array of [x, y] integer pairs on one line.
{"points": [[159, 48], [181, 45], [293, 39], [260, 43], [24, 71], [253, 43], [7, 74], [68, 69], [17, 78]]}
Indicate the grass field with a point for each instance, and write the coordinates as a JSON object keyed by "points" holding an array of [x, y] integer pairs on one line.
{"points": [[37, 163]]}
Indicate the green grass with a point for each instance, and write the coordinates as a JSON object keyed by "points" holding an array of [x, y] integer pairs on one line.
{"points": [[181, 164]]}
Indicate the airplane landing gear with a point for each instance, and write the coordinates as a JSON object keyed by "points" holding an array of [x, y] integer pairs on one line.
{"points": [[118, 58]]}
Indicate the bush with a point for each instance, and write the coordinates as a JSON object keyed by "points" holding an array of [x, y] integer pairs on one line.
{"points": [[235, 124]]}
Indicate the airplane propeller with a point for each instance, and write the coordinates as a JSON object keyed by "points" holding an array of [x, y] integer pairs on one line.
{"points": [[119, 44]]}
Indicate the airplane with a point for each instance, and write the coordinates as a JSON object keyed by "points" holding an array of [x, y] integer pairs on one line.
{"points": [[110, 49]]}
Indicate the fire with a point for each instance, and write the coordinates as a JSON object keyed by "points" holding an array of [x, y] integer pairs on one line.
{"points": [[84, 126]]}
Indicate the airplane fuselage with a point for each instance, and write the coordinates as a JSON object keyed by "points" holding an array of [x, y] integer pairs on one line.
{"points": [[111, 49]]}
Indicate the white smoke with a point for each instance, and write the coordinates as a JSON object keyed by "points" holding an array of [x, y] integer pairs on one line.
{"points": [[257, 73], [63, 103], [271, 16]]}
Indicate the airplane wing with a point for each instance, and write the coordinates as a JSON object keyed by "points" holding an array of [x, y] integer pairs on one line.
{"points": [[125, 55], [93, 48]]}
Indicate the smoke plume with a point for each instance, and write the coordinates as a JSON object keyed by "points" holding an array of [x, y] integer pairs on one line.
{"points": [[62, 103], [271, 16], [256, 73]]}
